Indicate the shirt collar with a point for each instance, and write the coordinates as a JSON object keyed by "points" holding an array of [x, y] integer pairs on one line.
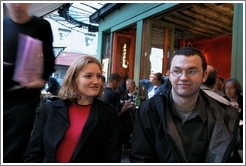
{"points": [[199, 110]]}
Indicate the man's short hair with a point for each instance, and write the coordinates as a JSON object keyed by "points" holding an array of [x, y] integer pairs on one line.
{"points": [[211, 79], [114, 77], [190, 51]]}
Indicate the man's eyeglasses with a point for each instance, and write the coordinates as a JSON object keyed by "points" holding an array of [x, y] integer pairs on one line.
{"points": [[179, 73]]}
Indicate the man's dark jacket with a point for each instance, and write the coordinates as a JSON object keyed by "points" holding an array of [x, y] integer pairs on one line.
{"points": [[155, 138]]}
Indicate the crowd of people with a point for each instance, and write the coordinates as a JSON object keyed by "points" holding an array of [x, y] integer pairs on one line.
{"points": [[189, 116]]}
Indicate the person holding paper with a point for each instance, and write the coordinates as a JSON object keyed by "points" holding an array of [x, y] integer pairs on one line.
{"points": [[20, 99]]}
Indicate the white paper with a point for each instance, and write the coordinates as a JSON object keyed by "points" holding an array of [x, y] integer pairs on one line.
{"points": [[29, 61]]}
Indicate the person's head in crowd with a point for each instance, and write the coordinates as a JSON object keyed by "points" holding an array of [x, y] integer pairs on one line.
{"points": [[53, 86], [83, 80], [211, 78], [157, 79], [114, 80], [232, 87], [130, 85], [151, 76], [219, 83], [122, 87]]}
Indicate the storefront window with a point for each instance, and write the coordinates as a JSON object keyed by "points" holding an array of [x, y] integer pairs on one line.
{"points": [[155, 58]]}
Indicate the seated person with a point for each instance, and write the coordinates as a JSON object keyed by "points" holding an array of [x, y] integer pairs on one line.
{"points": [[153, 85]]}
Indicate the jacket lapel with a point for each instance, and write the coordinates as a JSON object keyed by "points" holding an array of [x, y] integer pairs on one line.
{"points": [[168, 124], [62, 108]]}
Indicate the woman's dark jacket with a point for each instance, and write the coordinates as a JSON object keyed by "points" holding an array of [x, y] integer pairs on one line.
{"points": [[155, 138], [240, 104], [100, 141]]}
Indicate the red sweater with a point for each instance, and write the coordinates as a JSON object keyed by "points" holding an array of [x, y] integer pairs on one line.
{"points": [[77, 117]]}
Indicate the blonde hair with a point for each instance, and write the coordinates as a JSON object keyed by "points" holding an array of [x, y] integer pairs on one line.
{"points": [[68, 88], [132, 82]]}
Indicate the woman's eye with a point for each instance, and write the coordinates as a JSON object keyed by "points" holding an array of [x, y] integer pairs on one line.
{"points": [[88, 76]]}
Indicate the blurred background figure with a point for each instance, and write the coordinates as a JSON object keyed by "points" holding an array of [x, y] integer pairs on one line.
{"points": [[100, 95], [53, 86], [211, 78], [128, 117], [112, 96], [103, 81], [153, 84], [130, 91], [20, 100], [218, 87], [122, 86], [232, 90], [209, 83]]}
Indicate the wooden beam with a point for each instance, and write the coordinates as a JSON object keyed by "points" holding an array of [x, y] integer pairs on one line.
{"points": [[207, 19], [226, 9], [199, 33], [199, 8], [201, 24], [188, 25]]}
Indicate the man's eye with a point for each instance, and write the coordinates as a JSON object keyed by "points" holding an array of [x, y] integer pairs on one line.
{"points": [[191, 72], [177, 72]]}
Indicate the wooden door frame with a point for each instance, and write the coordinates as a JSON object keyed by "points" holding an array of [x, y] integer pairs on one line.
{"points": [[147, 44], [131, 51]]}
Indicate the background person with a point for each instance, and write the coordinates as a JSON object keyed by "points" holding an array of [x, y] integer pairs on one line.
{"points": [[79, 128], [153, 85], [209, 83], [128, 116], [53, 86], [21, 99], [232, 89], [112, 96], [122, 87], [218, 87], [100, 95]]}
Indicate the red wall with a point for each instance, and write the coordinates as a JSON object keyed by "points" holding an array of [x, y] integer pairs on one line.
{"points": [[217, 52]]}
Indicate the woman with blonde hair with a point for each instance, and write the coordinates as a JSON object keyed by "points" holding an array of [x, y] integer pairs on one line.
{"points": [[78, 128]]}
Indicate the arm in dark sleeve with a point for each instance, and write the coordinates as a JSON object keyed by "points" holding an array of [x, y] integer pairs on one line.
{"points": [[145, 83], [113, 143], [35, 149], [143, 139], [48, 53], [115, 100]]}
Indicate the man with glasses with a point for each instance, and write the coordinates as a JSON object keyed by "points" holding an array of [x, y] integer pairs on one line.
{"points": [[185, 124]]}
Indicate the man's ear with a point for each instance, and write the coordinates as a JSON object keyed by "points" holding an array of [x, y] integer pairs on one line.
{"points": [[205, 76]]}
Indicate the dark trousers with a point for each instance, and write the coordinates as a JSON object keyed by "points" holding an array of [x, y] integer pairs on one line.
{"points": [[18, 115], [127, 126]]}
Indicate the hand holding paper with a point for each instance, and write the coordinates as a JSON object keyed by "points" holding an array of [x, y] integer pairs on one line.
{"points": [[29, 62]]}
